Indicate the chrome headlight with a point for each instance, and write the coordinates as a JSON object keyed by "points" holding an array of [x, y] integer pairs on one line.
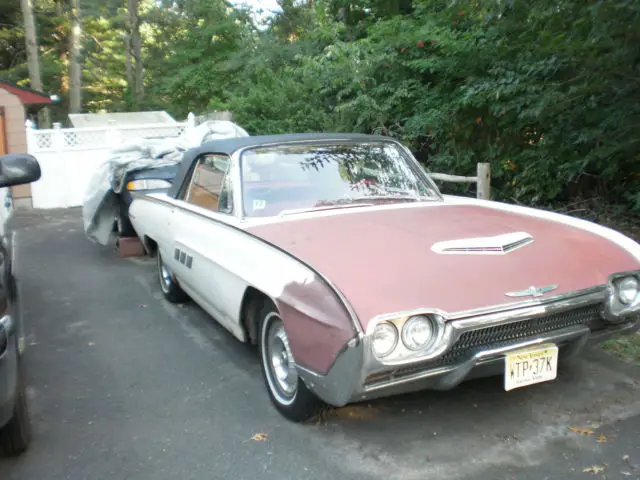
{"points": [[627, 290], [418, 332], [624, 296], [384, 339], [148, 184]]}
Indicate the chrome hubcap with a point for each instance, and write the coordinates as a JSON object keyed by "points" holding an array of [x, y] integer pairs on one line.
{"points": [[279, 363], [165, 275]]}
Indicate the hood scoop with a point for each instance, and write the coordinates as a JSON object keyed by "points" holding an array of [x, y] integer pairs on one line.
{"points": [[496, 245]]}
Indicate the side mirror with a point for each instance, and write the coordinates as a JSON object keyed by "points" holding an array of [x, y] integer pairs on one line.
{"points": [[17, 169]]}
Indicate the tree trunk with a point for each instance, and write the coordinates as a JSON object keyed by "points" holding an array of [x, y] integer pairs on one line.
{"points": [[136, 52], [33, 58], [128, 64], [63, 50], [75, 80]]}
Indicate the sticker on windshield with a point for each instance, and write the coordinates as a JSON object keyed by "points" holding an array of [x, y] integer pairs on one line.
{"points": [[259, 204]]}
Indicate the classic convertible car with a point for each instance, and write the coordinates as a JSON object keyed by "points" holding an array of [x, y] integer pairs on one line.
{"points": [[338, 256]]}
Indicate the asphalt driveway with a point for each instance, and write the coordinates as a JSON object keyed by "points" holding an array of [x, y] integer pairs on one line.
{"points": [[124, 385]]}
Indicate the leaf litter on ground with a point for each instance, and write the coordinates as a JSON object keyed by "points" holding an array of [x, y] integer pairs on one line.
{"points": [[582, 431], [595, 469]]}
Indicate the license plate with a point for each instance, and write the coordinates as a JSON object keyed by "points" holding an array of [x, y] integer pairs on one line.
{"points": [[531, 365]]}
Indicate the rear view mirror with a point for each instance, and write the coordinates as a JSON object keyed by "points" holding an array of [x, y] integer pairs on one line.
{"points": [[17, 169]]}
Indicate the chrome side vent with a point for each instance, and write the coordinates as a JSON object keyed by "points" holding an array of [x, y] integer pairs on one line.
{"points": [[496, 245]]}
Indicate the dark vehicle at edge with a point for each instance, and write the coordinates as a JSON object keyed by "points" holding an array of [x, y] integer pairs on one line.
{"points": [[15, 431]]}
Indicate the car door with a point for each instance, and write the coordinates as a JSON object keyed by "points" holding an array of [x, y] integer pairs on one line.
{"points": [[203, 246]]}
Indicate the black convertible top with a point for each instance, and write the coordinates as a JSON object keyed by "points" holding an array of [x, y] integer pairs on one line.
{"points": [[230, 145]]}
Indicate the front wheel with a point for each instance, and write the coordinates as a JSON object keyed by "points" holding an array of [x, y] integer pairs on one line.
{"points": [[286, 389], [168, 284]]}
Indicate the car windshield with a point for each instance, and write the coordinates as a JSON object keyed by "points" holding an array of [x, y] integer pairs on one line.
{"points": [[284, 178]]}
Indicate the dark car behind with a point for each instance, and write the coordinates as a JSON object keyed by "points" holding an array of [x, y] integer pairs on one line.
{"points": [[145, 180], [15, 429]]}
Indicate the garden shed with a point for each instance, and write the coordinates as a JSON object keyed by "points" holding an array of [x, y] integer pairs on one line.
{"points": [[16, 104]]}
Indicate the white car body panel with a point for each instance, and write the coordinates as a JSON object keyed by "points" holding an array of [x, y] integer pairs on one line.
{"points": [[224, 258], [210, 280]]}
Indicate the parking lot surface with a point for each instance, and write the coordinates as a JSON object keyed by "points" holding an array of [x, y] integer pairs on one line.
{"points": [[124, 385]]}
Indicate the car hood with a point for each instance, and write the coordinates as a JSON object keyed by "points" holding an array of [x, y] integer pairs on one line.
{"points": [[381, 259]]}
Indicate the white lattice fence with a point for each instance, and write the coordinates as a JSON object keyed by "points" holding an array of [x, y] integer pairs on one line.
{"points": [[85, 138], [151, 132], [89, 138], [42, 140], [69, 156]]}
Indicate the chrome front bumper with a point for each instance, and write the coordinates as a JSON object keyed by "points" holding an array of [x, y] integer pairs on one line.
{"points": [[349, 381]]}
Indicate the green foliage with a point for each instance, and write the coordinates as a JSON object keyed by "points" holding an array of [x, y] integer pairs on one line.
{"points": [[547, 91], [12, 47], [191, 70], [626, 348], [279, 102]]}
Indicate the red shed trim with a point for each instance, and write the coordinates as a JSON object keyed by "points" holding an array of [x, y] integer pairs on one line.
{"points": [[26, 95]]}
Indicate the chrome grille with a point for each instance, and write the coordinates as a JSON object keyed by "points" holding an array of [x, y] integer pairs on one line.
{"points": [[589, 315], [496, 336]]}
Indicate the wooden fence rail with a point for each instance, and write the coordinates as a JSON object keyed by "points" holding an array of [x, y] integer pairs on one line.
{"points": [[482, 180]]}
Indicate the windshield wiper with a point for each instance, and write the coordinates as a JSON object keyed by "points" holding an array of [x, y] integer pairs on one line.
{"points": [[394, 197], [325, 207], [357, 202]]}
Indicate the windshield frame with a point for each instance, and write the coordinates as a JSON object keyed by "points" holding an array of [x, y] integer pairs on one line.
{"points": [[411, 162]]}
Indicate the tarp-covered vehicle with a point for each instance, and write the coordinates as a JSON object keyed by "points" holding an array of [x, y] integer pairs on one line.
{"points": [[148, 165]]}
